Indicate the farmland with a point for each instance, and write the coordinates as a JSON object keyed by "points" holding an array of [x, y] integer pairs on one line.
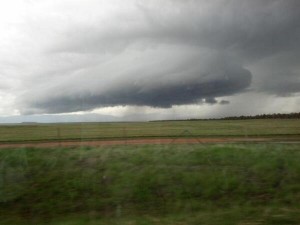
{"points": [[147, 184], [280, 128]]}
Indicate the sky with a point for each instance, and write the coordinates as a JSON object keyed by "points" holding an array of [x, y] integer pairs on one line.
{"points": [[146, 60]]}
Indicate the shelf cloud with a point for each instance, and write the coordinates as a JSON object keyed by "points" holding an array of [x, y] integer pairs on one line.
{"points": [[146, 81], [67, 56]]}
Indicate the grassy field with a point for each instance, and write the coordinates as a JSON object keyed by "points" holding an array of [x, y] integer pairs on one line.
{"points": [[214, 128], [151, 184]]}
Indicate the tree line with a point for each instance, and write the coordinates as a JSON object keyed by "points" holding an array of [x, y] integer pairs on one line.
{"points": [[260, 116], [266, 116]]}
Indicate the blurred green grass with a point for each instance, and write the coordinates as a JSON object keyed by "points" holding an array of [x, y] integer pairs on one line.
{"points": [[151, 184], [210, 128]]}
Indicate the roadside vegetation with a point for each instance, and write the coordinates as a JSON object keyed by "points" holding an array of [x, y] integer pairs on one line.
{"points": [[151, 184]]}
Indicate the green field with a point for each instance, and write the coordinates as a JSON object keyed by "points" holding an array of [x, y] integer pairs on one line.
{"points": [[212, 184], [151, 184], [213, 128]]}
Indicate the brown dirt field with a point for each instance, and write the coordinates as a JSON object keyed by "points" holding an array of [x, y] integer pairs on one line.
{"points": [[133, 142]]}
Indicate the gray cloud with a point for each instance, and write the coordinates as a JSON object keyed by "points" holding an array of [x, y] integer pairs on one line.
{"points": [[211, 100], [224, 102], [160, 87], [158, 54], [159, 96], [253, 29]]}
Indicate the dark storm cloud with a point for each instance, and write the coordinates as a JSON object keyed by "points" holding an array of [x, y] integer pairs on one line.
{"points": [[172, 53], [224, 102], [163, 96], [211, 100], [190, 86], [253, 29]]}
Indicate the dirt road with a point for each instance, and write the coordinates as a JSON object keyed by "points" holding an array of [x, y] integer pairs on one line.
{"points": [[134, 142]]}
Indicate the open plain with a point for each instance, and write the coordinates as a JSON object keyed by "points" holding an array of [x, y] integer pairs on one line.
{"points": [[170, 172]]}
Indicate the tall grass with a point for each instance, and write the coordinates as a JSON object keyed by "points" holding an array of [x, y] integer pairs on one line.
{"points": [[151, 184]]}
